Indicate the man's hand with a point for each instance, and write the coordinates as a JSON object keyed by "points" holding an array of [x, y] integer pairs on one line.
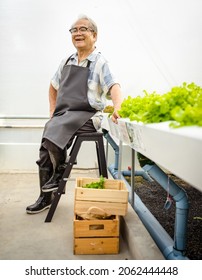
{"points": [[116, 96], [115, 116]]}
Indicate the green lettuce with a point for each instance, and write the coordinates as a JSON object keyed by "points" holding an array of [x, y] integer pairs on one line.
{"points": [[182, 105]]}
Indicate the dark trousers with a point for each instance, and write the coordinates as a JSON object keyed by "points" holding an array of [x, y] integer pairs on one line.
{"points": [[44, 160]]}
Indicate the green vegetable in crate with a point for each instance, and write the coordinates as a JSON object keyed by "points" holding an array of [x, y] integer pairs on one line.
{"points": [[96, 185]]}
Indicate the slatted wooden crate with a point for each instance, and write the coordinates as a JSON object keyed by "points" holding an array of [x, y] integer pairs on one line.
{"points": [[96, 236], [113, 199]]}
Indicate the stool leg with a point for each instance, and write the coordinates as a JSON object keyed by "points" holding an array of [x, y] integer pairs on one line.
{"points": [[101, 158], [62, 183]]}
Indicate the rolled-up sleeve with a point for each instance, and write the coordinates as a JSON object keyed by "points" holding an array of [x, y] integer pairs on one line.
{"points": [[55, 81], [107, 79]]}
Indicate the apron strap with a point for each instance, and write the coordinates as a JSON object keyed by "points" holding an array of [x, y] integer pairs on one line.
{"points": [[88, 64], [68, 59]]}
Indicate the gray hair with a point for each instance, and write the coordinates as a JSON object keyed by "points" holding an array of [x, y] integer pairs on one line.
{"points": [[93, 25]]}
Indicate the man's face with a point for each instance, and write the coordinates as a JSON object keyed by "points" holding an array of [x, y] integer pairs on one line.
{"points": [[83, 39]]}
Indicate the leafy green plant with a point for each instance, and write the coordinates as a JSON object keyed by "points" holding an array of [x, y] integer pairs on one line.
{"points": [[96, 185], [182, 106], [108, 109]]}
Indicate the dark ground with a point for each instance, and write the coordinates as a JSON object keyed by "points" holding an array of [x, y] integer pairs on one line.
{"points": [[154, 197]]}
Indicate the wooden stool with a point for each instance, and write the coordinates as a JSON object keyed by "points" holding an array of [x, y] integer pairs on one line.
{"points": [[96, 137]]}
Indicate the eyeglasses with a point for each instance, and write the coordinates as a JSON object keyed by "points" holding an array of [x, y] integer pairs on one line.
{"points": [[81, 29]]}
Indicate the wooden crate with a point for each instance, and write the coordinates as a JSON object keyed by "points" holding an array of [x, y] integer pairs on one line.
{"points": [[96, 236], [113, 199]]}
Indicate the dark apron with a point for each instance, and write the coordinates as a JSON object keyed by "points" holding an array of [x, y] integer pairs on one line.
{"points": [[72, 107]]}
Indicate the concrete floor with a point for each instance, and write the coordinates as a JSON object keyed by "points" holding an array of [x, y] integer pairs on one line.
{"points": [[28, 237]]}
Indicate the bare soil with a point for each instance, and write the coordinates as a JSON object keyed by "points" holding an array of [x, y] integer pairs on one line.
{"points": [[154, 197]]}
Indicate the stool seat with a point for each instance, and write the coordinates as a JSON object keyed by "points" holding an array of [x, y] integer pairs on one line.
{"points": [[96, 137], [95, 134]]}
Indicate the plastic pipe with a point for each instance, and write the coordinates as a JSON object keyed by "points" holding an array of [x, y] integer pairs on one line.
{"points": [[158, 233], [137, 173], [114, 146], [116, 150], [182, 205]]}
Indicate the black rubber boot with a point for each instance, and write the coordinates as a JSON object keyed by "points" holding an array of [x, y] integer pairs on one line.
{"points": [[45, 199], [54, 181], [58, 162]]}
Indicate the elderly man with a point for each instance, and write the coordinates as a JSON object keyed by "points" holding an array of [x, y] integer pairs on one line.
{"points": [[77, 96]]}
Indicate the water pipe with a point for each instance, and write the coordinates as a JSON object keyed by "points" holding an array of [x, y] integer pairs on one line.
{"points": [[115, 147], [137, 173], [182, 205], [158, 233]]}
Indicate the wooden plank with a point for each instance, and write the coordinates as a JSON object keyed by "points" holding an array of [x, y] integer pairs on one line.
{"points": [[96, 246], [106, 195], [95, 228], [113, 208], [109, 183]]}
